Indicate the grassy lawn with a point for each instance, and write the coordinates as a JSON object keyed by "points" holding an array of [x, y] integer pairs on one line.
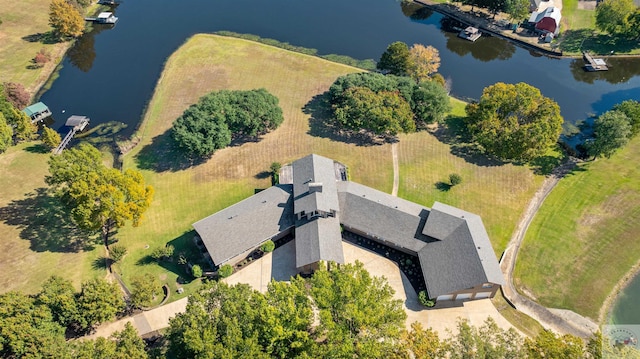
{"points": [[23, 23], [33, 227], [497, 192], [184, 194], [585, 236]]}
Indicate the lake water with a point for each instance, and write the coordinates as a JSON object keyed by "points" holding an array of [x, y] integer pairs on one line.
{"points": [[111, 73], [626, 310]]}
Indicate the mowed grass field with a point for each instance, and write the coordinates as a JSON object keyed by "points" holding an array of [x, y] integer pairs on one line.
{"points": [[186, 194], [498, 193], [585, 236], [32, 227], [22, 21]]}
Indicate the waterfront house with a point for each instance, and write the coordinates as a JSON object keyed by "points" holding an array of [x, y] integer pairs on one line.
{"points": [[547, 20]]}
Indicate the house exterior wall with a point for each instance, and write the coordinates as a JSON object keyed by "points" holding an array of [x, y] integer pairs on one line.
{"points": [[378, 240], [473, 293]]}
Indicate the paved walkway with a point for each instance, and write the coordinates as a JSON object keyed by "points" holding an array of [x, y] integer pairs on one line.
{"points": [[559, 320], [279, 265]]}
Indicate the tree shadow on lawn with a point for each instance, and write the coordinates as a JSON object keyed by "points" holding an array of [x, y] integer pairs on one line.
{"points": [[45, 222], [454, 133], [163, 154], [38, 148], [319, 110], [47, 38], [599, 44]]}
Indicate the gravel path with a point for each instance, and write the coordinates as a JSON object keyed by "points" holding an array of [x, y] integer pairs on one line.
{"points": [[561, 321]]}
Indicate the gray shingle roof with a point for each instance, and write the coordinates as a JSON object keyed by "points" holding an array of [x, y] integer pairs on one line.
{"points": [[463, 258], [318, 240], [382, 216], [318, 171], [248, 223]]}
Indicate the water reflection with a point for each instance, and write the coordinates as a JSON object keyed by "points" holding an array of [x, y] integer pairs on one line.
{"points": [[415, 11], [620, 71], [485, 49], [83, 53]]}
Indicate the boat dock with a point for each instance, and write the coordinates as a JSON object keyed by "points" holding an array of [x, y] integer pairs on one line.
{"points": [[594, 64], [37, 112], [470, 33], [103, 18], [77, 124]]}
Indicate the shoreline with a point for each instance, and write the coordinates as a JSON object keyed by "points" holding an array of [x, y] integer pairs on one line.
{"points": [[607, 306]]}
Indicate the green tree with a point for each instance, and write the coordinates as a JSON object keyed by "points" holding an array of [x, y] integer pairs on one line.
{"points": [[383, 113], [357, 312], [613, 16], [548, 345], [98, 301], [517, 9], [220, 116], [100, 198], [514, 122], [125, 344], [395, 59], [59, 296], [430, 103], [65, 19], [6, 134], [485, 342], [50, 137], [275, 167], [27, 330], [611, 132], [631, 108], [455, 179], [144, 289], [424, 61]]}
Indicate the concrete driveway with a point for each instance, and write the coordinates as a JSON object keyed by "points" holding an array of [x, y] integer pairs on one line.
{"points": [[280, 265]]}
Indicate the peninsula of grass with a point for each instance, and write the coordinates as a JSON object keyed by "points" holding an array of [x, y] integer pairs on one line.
{"points": [[585, 236]]}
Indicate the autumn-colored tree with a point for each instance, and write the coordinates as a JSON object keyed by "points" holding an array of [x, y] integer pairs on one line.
{"points": [[50, 137], [17, 95], [423, 343], [100, 198], [41, 58], [424, 61], [65, 19], [514, 122], [23, 129]]}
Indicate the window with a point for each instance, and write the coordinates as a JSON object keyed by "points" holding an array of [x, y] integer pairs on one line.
{"points": [[487, 285]]}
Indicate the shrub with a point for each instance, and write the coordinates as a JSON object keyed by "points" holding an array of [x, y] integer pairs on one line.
{"points": [[17, 95], [268, 246], [423, 298], [117, 252], [196, 270], [41, 58], [225, 271], [275, 167], [455, 179], [162, 252]]}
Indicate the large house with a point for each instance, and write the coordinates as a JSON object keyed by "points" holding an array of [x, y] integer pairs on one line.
{"points": [[315, 202]]}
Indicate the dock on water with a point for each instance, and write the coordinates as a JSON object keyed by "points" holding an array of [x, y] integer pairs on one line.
{"points": [[594, 64], [470, 33], [103, 18], [77, 124], [37, 112]]}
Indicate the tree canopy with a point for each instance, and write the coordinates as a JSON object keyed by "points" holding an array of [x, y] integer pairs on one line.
{"points": [[50, 137], [424, 61], [99, 198], [98, 301], [6, 134], [631, 108], [376, 103], [144, 288], [221, 116], [395, 59], [514, 122], [65, 19], [20, 123], [618, 17], [612, 131]]}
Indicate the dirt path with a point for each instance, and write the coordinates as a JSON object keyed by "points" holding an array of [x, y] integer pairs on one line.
{"points": [[396, 169], [561, 321]]}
